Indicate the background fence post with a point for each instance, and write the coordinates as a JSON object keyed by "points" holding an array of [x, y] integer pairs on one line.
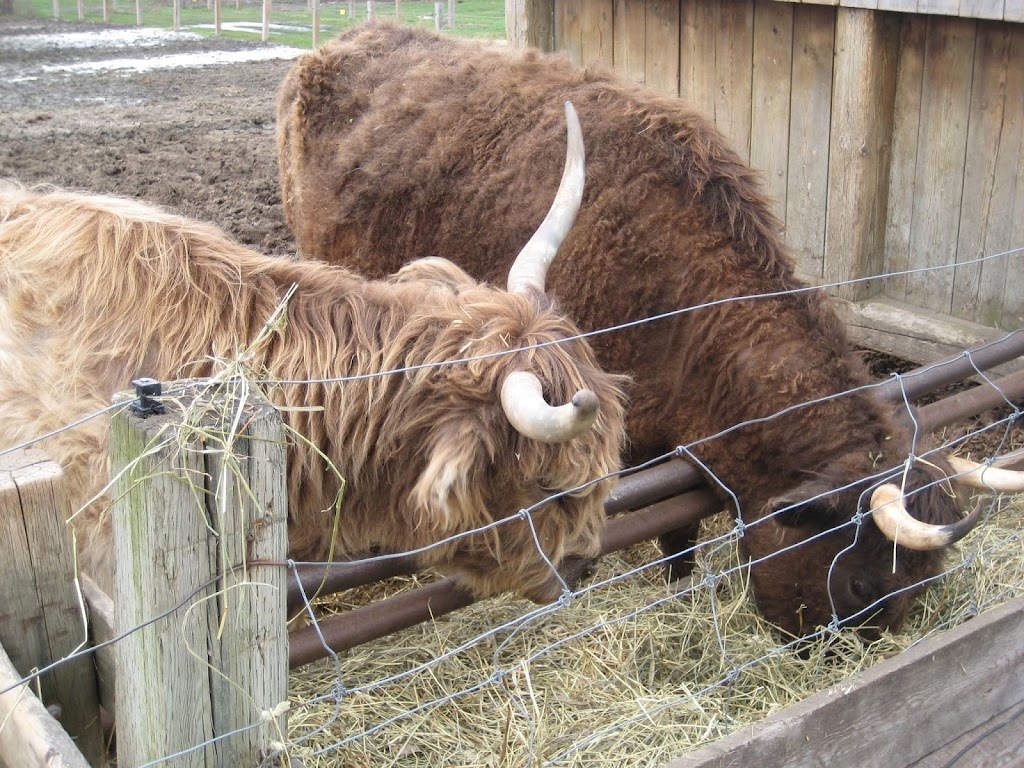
{"points": [[316, 23], [41, 617], [206, 497]]}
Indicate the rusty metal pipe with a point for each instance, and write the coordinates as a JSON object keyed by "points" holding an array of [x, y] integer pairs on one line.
{"points": [[632, 492], [347, 630], [369, 622], [971, 402], [955, 368]]}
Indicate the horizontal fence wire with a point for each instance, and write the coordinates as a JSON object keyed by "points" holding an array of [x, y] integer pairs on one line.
{"points": [[623, 660]]}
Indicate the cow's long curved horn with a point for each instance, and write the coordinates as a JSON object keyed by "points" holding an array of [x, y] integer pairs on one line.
{"points": [[527, 411], [531, 265], [986, 477], [893, 519]]}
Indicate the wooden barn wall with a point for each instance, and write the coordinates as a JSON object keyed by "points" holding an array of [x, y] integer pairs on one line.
{"points": [[890, 141]]}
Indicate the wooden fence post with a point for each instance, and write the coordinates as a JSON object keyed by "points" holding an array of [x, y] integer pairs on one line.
{"points": [[207, 495], [316, 23], [41, 617]]}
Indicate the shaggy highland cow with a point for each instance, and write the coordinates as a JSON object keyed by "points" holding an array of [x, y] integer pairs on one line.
{"points": [[395, 143], [96, 291]]}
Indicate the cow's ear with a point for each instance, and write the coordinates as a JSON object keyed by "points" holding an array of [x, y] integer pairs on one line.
{"points": [[813, 503]]}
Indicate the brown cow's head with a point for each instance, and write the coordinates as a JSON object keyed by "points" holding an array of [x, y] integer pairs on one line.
{"points": [[860, 555]]}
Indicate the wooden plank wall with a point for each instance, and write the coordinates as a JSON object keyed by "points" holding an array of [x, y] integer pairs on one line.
{"points": [[890, 141]]}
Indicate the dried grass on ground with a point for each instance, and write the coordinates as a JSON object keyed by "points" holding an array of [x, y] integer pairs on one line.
{"points": [[629, 674]]}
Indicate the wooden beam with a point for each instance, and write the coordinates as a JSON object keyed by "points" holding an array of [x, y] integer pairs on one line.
{"points": [[864, 81], [913, 333], [193, 500], [41, 619], [530, 23], [810, 113], [629, 33], [661, 60], [903, 708], [771, 99], [29, 736], [101, 630], [941, 149]]}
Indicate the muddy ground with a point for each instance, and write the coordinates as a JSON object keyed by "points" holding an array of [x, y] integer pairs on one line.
{"points": [[199, 139]]}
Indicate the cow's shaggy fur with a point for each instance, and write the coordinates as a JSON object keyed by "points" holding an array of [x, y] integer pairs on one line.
{"points": [[395, 143], [97, 291]]}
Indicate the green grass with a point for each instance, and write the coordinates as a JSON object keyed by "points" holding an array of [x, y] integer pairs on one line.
{"points": [[473, 18]]}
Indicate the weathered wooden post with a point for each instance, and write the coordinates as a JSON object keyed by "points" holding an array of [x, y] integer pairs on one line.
{"points": [[199, 495], [41, 618], [315, 4]]}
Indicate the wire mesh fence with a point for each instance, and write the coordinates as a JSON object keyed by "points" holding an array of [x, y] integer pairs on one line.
{"points": [[626, 669]]}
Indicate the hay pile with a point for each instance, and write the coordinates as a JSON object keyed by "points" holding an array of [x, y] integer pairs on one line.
{"points": [[628, 674]]}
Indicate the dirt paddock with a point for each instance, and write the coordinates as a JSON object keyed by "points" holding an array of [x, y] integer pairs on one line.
{"points": [[197, 138]]}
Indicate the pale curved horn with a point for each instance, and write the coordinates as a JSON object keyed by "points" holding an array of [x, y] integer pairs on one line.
{"points": [[986, 477], [524, 405], [893, 519], [531, 265]]}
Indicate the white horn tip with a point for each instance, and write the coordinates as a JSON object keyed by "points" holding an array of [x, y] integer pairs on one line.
{"points": [[585, 402]]}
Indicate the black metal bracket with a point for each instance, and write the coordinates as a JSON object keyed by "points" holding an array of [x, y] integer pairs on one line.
{"points": [[146, 390]]}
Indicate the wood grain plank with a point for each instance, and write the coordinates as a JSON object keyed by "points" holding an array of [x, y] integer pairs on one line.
{"points": [[661, 66], [41, 620], [629, 36], [900, 6], [771, 87], [596, 33], [734, 51], [942, 143], [30, 736], [1013, 289], [942, 7], [698, 20], [859, 149], [569, 29], [938, 683], [903, 168], [996, 742], [981, 9], [530, 23], [915, 334], [993, 145], [809, 128]]}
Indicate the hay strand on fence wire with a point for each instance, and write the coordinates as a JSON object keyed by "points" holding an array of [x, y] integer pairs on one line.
{"points": [[604, 681]]}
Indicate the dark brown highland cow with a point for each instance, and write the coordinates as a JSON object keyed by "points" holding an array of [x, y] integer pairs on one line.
{"points": [[397, 143]]}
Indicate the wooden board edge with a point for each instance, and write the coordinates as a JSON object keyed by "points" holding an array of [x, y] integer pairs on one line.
{"points": [[101, 625], [30, 735], [915, 333], [990, 647]]}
